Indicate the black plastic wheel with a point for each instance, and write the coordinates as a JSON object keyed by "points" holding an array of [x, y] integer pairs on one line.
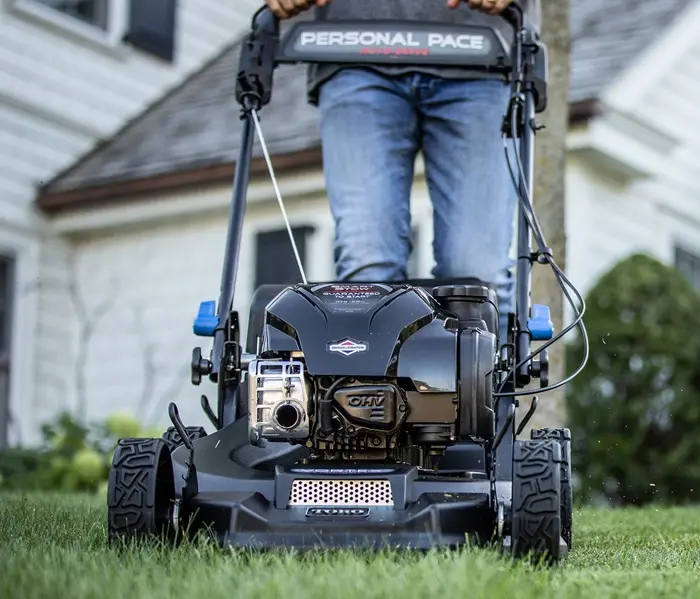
{"points": [[140, 490], [563, 435], [173, 439], [536, 523]]}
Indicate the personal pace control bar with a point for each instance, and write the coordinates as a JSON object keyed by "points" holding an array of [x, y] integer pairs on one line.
{"points": [[392, 42], [395, 39]]}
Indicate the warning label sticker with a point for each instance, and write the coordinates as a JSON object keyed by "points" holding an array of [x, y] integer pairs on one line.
{"points": [[340, 297]]}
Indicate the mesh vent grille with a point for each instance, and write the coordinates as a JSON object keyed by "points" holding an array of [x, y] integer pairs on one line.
{"points": [[341, 492]]}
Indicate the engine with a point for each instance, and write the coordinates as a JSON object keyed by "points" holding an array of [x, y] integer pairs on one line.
{"points": [[375, 372]]}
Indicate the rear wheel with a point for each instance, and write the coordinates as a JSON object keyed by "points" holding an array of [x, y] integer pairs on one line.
{"points": [[536, 523], [140, 490], [563, 436]]}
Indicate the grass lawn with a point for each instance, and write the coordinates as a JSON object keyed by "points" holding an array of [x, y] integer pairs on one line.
{"points": [[55, 547]]}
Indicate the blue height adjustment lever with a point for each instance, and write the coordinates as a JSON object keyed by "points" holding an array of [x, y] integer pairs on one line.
{"points": [[206, 322], [540, 323]]}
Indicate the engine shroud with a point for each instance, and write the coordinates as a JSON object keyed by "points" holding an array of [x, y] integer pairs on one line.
{"points": [[364, 330], [415, 369]]}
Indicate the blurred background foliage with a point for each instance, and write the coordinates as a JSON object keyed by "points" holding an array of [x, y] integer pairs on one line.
{"points": [[634, 412], [72, 457]]}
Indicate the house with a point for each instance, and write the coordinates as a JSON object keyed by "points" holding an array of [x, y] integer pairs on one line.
{"points": [[71, 74], [138, 225]]}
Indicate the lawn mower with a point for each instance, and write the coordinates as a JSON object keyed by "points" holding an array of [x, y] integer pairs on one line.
{"points": [[367, 414]]}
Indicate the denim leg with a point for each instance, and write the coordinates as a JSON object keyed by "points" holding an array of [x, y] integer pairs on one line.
{"points": [[469, 183], [369, 135]]}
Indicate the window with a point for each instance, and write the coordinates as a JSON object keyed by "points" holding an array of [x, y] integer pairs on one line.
{"points": [[275, 263], [688, 263], [152, 27], [147, 25], [7, 288], [93, 12]]}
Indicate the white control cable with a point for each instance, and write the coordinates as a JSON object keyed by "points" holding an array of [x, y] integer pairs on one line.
{"points": [[259, 133]]}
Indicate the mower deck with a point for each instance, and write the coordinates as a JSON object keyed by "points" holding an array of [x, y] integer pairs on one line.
{"points": [[240, 520], [252, 497]]}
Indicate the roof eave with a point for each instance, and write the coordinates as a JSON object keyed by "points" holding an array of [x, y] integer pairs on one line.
{"points": [[53, 202]]}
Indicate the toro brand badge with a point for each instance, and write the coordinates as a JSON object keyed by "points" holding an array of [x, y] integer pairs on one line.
{"points": [[337, 512], [347, 347]]}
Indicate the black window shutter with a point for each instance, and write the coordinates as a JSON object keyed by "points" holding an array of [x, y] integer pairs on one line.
{"points": [[688, 264], [152, 27], [275, 263], [7, 290]]}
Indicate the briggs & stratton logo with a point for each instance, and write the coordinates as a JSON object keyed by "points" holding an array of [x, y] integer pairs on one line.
{"points": [[337, 512], [347, 347]]}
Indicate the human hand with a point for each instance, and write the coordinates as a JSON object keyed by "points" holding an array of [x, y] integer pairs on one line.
{"points": [[491, 7], [286, 9]]}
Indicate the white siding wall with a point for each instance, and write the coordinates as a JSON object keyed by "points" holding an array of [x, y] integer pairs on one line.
{"points": [[153, 279], [606, 221], [672, 106], [604, 224], [60, 93]]}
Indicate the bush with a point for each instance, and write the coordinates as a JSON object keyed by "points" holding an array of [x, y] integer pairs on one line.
{"points": [[72, 457], [635, 410]]}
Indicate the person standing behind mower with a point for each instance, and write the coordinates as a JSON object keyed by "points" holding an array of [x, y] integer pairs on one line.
{"points": [[374, 120]]}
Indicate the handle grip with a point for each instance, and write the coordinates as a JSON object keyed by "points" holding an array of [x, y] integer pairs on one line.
{"points": [[514, 15], [264, 19]]}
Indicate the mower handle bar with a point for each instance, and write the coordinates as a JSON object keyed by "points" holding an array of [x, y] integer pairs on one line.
{"points": [[513, 15]]}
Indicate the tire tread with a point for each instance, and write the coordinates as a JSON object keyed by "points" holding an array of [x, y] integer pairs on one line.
{"points": [[537, 498], [140, 480], [563, 435]]}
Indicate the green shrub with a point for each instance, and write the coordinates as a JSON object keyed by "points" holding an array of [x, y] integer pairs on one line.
{"points": [[635, 410], [72, 457]]}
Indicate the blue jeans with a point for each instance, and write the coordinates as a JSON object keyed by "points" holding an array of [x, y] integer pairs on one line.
{"points": [[372, 128]]}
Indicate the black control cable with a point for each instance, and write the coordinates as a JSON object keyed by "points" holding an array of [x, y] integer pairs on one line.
{"points": [[543, 253]]}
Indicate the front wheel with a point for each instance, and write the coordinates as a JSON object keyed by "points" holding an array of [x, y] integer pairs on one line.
{"points": [[563, 436], [536, 516], [140, 490]]}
